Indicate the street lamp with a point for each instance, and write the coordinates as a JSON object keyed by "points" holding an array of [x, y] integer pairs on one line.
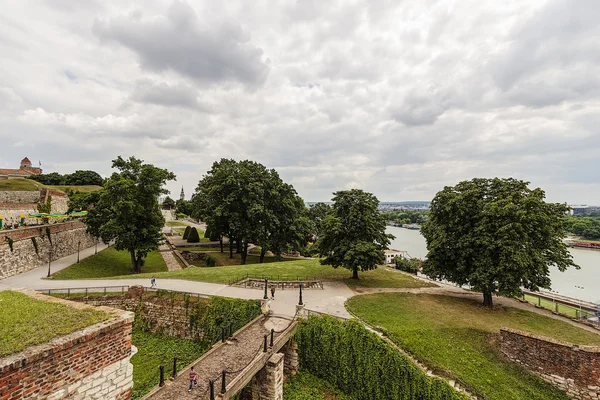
{"points": [[265, 297], [300, 299], [96, 251], [49, 261], [78, 247]]}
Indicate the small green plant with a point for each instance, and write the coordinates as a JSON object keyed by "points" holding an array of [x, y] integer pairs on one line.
{"points": [[46, 207], [186, 233], [49, 234], [193, 236], [210, 261], [10, 243]]}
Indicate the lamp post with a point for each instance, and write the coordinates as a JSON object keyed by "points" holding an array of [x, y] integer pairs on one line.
{"points": [[300, 299], [49, 261], [265, 297], [96, 251], [78, 247]]}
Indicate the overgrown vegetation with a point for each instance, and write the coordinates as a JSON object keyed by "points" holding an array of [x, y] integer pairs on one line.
{"points": [[406, 217], [305, 386], [25, 321], [109, 262], [361, 364], [46, 207], [588, 227], [207, 317], [410, 265], [457, 338]]}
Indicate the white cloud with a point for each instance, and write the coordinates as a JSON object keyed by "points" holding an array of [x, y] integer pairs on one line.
{"points": [[398, 98]]}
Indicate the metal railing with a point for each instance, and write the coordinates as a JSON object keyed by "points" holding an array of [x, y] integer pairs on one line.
{"points": [[582, 312]]}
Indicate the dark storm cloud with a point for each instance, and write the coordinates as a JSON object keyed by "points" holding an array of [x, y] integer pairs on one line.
{"points": [[207, 51]]}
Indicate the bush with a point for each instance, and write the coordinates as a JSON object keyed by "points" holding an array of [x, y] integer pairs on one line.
{"points": [[193, 236], [180, 216], [210, 261], [411, 265], [186, 233], [363, 365]]}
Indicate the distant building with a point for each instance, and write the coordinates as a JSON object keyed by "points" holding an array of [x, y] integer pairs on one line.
{"points": [[25, 170], [579, 210], [391, 254]]}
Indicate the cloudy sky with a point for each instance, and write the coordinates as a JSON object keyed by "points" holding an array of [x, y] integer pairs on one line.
{"points": [[395, 97]]}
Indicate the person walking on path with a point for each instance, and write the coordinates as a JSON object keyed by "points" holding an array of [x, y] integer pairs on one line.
{"points": [[193, 379], [152, 282], [273, 292]]}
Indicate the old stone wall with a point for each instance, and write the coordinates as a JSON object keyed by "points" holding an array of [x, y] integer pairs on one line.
{"points": [[92, 363], [19, 196], [268, 383], [573, 369], [11, 212], [163, 315], [24, 256], [59, 203]]}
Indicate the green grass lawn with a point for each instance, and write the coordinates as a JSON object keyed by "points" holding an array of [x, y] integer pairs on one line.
{"points": [[587, 240], [156, 350], [25, 321], [175, 223], [110, 263], [19, 184], [305, 386], [458, 338], [552, 306], [292, 270], [75, 188]]}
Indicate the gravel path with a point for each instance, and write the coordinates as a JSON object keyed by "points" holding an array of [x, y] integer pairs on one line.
{"points": [[170, 260], [234, 356]]}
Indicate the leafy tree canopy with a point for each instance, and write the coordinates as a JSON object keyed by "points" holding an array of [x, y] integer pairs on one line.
{"points": [[495, 235], [168, 203], [78, 178], [317, 213], [353, 234], [127, 210]]}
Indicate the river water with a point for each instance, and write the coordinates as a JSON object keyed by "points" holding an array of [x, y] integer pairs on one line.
{"points": [[581, 284]]}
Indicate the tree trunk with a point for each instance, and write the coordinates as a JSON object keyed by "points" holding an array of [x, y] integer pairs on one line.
{"points": [[230, 247], [244, 252], [238, 244], [263, 251], [487, 299], [221, 242], [133, 261], [355, 273]]}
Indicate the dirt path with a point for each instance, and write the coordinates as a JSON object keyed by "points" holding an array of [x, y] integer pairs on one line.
{"points": [[233, 356]]}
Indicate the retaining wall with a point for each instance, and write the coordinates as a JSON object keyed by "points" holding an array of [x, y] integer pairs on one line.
{"points": [[573, 369], [19, 196], [92, 363], [24, 257]]}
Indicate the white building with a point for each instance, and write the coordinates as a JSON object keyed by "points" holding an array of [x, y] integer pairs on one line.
{"points": [[391, 254]]}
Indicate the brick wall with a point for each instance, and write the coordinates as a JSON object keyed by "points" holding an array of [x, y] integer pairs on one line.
{"points": [[24, 257], [572, 368], [92, 363]]}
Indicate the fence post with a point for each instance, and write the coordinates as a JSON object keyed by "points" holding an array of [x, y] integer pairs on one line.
{"points": [[104, 291], [86, 294], [556, 307], [539, 301], [223, 334], [174, 374], [265, 344], [272, 334], [162, 376], [223, 383], [69, 292], [211, 387]]}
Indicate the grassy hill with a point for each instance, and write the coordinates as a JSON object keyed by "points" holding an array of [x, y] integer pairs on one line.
{"points": [[30, 185]]}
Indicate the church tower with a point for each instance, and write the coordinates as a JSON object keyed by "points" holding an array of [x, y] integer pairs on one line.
{"points": [[182, 195]]}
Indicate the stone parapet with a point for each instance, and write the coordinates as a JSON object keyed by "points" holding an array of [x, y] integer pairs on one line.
{"points": [[92, 363], [573, 369], [268, 383]]}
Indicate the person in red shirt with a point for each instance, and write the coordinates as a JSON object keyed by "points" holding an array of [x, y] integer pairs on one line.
{"points": [[193, 379]]}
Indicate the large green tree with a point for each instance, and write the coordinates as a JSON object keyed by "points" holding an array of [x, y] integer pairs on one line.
{"points": [[249, 203], [317, 213], [496, 235], [127, 210], [353, 234], [83, 178]]}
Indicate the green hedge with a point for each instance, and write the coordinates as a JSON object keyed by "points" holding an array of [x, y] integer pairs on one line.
{"points": [[193, 236], [186, 232], [363, 365]]}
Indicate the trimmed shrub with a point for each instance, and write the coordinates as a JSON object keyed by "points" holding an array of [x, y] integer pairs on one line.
{"points": [[186, 233], [363, 365], [210, 261], [193, 236]]}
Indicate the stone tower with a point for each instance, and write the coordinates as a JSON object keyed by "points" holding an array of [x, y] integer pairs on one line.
{"points": [[182, 195]]}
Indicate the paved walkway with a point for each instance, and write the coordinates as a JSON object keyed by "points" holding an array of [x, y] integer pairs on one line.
{"points": [[169, 258]]}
